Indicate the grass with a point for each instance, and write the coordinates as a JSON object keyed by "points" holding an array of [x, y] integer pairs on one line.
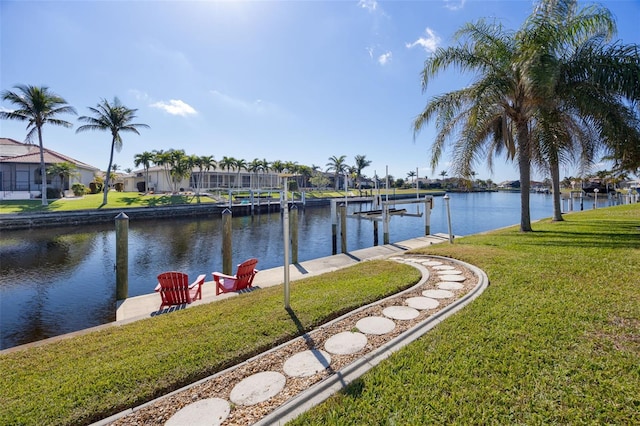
{"points": [[87, 378], [555, 339], [117, 200]]}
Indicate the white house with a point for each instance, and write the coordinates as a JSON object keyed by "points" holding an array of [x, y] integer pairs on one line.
{"points": [[20, 174]]}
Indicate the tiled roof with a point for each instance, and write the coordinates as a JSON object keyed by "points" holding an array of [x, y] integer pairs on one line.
{"points": [[33, 155]]}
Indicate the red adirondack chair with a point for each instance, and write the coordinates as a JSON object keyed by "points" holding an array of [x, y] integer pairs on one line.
{"points": [[241, 280], [174, 288]]}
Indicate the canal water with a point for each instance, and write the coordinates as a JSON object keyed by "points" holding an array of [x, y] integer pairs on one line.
{"points": [[59, 280]]}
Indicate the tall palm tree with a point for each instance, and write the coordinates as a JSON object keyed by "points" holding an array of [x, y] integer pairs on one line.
{"points": [[145, 160], [361, 163], [227, 163], [581, 82], [38, 106], [114, 118], [490, 116], [338, 166], [239, 164], [206, 163], [254, 167]]}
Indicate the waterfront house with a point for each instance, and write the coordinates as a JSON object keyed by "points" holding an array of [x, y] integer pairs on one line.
{"points": [[20, 174]]}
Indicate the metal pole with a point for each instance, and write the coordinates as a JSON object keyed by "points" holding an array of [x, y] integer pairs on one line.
{"points": [[427, 214], [294, 234], [417, 192], [122, 256], [446, 200], [285, 230], [227, 261]]}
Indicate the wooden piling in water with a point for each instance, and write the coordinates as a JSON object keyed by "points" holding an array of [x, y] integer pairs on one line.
{"points": [[227, 263], [122, 256]]}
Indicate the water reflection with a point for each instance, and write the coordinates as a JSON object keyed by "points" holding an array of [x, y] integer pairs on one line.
{"points": [[58, 280]]}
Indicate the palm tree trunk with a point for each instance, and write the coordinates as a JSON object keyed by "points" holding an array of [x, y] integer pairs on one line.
{"points": [[106, 180], [524, 164], [555, 187], [43, 170]]}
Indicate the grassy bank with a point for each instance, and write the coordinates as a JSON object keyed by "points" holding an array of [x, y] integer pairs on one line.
{"points": [[86, 378], [553, 340], [123, 200]]}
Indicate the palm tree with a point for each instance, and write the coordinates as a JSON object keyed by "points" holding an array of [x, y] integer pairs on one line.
{"points": [[38, 106], [115, 118], [411, 174], [206, 163], [361, 163], [239, 165], [338, 166], [64, 171], [145, 160], [227, 163], [581, 83], [254, 167]]}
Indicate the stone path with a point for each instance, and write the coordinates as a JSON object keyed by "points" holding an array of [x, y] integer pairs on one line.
{"points": [[277, 386]]}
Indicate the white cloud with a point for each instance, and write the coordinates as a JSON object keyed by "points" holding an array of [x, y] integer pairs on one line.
{"points": [[139, 95], [370, 5], [175, 107], [370, 51], [454, 4], [429, 43], [257, 106], [384, 58]]}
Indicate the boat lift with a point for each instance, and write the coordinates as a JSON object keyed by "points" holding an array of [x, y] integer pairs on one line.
{"points": [[383, 214]]}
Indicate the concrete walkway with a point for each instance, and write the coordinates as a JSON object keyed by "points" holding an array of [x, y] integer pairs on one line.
{"points": [[135, 308]]}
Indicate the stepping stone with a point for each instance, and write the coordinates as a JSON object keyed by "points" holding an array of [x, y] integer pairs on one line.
{"points": [[307, 363], [345, 343], [449, 285], [431, 263], [400, 312], [456, 278], [257, 388], [206, 412], [422, 303], [444, 267], [437, 294], [451, 272], [375, 325]]}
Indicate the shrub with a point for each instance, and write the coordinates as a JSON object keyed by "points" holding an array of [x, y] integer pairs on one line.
{"points": [[53, 193], [78, 189]]}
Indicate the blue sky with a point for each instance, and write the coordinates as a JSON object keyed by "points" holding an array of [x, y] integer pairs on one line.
{"points": [[281, 80]]}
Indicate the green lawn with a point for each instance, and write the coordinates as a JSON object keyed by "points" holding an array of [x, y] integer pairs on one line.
{"points": [[117, 200], [555, 339], [87, 378]]}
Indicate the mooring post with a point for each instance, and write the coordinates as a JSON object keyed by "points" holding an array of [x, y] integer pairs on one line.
{"points": [[294, 233], [385, 222], [343, 228], [428, 202], [334, 228], [252, 201], [122, 256], [446, 201], [227, 264], [375, 232]]}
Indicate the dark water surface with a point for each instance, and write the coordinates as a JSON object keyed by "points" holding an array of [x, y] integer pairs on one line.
{"points": [[59, 280]]}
